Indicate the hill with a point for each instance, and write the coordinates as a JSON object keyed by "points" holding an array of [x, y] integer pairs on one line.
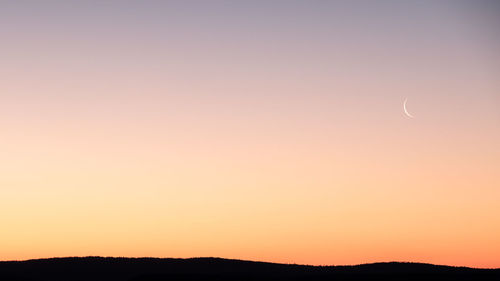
{"points": [[156, 269]]}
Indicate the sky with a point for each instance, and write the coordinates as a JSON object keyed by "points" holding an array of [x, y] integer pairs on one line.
{"points": [[261, 130]]}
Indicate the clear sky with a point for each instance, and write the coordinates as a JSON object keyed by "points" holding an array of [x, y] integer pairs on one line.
{"points": [[263, 130]]}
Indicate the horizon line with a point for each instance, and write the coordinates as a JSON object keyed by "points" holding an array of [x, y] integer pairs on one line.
{"points": [[255, 261]]}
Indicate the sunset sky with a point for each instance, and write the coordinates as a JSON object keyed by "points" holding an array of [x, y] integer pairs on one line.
{"points": [[261, 130]]}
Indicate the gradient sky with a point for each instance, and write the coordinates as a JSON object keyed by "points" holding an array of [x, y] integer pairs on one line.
{"points": [[263, 130]]}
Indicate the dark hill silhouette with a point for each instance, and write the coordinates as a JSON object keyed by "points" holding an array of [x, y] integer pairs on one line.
{"points": [[149, 269]]}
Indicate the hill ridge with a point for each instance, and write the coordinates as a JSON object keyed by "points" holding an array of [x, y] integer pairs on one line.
{"points": [[98, 268]]}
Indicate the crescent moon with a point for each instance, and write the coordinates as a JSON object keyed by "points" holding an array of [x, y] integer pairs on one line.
{"points": [[406, 111]]}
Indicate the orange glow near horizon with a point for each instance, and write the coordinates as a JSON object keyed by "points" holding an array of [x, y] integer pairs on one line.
{"points": [[283, 140]]}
